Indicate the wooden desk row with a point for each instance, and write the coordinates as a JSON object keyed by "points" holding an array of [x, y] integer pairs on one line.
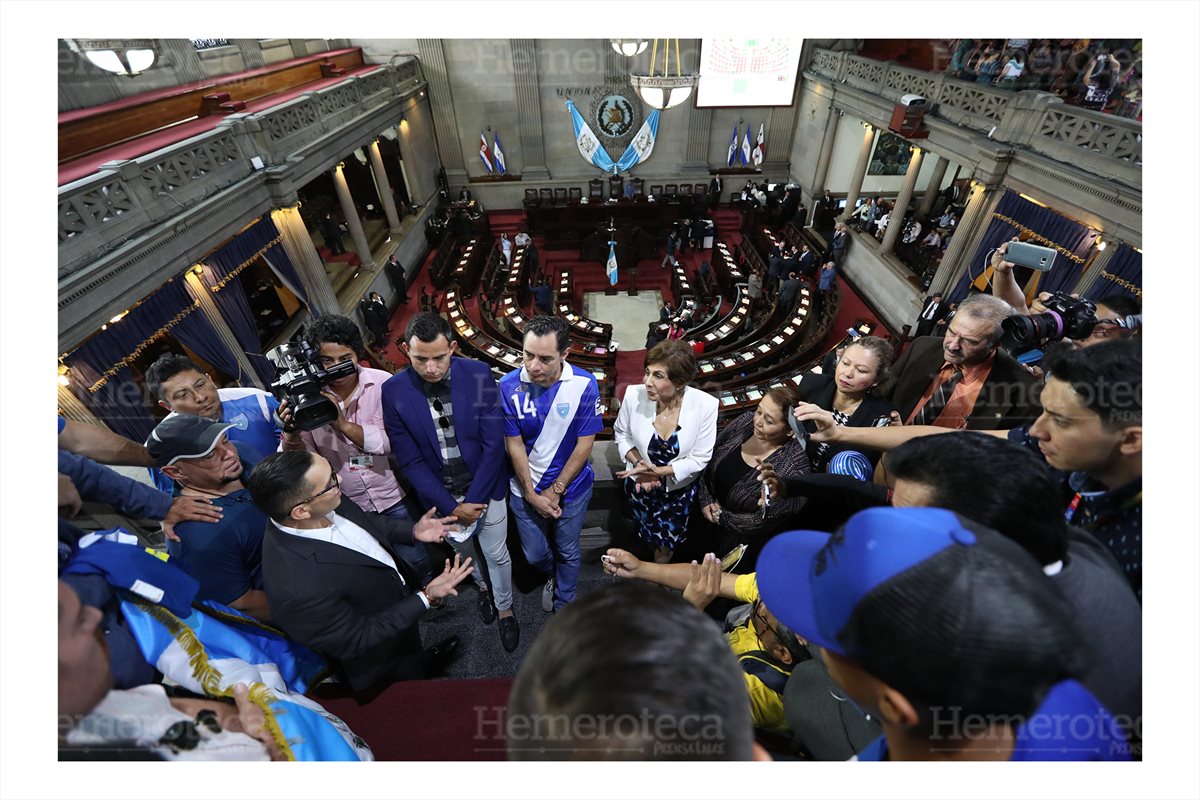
{"points": [[726, 268], [761, 351], [566, 226], [581, 326]]}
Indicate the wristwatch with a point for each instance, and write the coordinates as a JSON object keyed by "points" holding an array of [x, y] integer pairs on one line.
{"points": [[559, 487]]}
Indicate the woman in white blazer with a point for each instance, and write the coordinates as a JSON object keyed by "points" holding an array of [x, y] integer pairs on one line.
{"points": [[665, 432]]}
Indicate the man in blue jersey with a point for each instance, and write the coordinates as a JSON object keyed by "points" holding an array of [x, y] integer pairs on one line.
{"points": [[551, 418], [182, 388]]}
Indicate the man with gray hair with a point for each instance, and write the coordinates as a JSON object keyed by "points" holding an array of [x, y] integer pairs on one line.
{"points": [[965, 380]]}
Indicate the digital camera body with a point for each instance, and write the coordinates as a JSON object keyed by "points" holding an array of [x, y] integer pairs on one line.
{"points": [[299, 380]]}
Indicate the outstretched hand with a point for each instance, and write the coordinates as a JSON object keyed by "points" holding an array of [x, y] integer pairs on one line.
{"points": [[705, 582]]}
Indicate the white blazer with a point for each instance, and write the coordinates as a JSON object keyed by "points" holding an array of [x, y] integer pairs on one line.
{"points": [[697, 430]]}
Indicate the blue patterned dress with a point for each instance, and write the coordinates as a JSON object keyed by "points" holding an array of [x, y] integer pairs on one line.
{"points": [[661, 516]]}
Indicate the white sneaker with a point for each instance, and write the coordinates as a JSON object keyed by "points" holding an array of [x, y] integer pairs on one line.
{"points": [[548, 596]]}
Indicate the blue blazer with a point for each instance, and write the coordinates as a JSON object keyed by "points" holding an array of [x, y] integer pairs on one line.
{"points": [[478, 426]]}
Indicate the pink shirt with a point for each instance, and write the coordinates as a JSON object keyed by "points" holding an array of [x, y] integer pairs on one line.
{"points": [[365, 473]]}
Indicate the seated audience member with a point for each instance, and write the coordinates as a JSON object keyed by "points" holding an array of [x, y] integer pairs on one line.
{"points": [[333, 579], [1089, 431], [852, 393], [918, 611], [766, 649], [182, 388], [665, 432], [224, 556], [630, 653], [965, 380], [729, 488], [1022, 502], [443, 417], [355, 443]]}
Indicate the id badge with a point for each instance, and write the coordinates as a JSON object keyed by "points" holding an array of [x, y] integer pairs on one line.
{"points": [[361, 462]]}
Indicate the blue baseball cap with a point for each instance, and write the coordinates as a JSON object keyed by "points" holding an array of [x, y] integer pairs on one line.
{"points": [[939, 607]]}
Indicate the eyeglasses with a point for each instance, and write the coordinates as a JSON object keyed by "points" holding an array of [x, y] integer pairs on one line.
{"points": [[334, 483], [442, 421], [761, 617]]}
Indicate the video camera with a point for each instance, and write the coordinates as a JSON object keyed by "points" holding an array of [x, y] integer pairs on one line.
{"points": [[1065, 316], [299, 380]]}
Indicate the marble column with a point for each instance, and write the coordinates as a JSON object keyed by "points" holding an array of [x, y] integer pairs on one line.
{"points": [[384, 186], [182, 56], [72, 408], [967, 235], [441, 102], [529, 109], [299, 47], [935, 184], [210, 311], [361, 246], [298, 244], [252, 52], [699, 134], [1098, 265], [900, 209], [831, 126], [781, 127], [860, 169]]}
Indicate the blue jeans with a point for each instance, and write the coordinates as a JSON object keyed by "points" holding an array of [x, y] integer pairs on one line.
{"points": [[539, 534], [415, 554]]}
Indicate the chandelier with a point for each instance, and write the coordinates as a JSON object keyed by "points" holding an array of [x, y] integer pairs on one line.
{"points": [[123, 56], [629, 47], [664, 90]]}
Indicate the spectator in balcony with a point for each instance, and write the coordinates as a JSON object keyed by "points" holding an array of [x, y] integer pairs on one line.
{"points": [[1098, 80], [1012, 71], [331, 232], [666, 431], [946, 222], [961, 50], [933, 240], [1040, 65], [988, 66], [881, 226]]}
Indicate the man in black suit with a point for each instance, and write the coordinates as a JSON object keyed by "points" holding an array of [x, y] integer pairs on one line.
{"points": [[464, 194], [933, 315], [965, 380], [335, 584], [806, 261]]}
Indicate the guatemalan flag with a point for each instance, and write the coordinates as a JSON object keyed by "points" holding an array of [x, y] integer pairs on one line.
{"points": [[611, 266], [484, 154], [760, 149], [643, 143], [588, 144], [498, 154], [745, 153], [733, 148]]}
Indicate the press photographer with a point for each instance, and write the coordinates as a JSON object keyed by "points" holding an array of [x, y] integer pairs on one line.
{"points": [[343, 421]]}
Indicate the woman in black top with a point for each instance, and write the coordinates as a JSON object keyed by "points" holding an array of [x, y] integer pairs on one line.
{"points": [[851, 392]]}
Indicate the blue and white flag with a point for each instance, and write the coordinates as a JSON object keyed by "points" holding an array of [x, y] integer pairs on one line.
{"points": [[643, 143], [207, 655], [745, 154], [497, 153], [733, 148], [589, 146], [611, 267], [484, 155]]}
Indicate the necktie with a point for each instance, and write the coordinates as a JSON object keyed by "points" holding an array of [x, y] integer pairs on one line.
{"points": [[929, 312], [930, 411]]}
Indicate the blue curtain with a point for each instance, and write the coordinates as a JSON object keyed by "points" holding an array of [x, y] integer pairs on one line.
{"points": [[220, 278], [1126, 264], [1074, 237], [276, 257], [120, 402]]}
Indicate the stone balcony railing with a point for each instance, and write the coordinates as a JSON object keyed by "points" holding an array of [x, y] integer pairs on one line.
{"points": [[99, 213], [1102, 144]]}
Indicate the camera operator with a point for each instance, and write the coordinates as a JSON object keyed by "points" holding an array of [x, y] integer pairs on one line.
{"points": [[355, 443], [1110, 312]]}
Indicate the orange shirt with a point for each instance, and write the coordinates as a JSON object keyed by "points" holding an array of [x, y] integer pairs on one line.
{"points": [[962, 400]]}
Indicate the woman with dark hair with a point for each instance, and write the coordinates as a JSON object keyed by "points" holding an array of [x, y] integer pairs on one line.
{"points": [[730, 490], [665, 431], [851, 391]]}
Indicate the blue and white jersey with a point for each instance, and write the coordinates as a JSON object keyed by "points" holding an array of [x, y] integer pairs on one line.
{"points": [[550, 421], [252, 412]]}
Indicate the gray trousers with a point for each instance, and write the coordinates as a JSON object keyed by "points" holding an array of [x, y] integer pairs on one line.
{"points": [[491, 535]]}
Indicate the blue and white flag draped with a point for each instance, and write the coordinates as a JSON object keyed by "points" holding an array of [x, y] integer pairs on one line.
{"points": [[588, 144], [207, 655], [745, 154], [498, 154], [643, 143], [733, 148], [611, 267]]}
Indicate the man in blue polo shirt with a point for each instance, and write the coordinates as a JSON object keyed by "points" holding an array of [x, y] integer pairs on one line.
{"points": [[551, 418], [946, 632], [225, 557]]}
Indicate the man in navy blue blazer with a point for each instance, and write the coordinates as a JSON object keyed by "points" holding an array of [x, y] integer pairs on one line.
{"points": [[443, 417]]}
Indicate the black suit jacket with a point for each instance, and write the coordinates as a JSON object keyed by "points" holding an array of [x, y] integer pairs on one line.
{"points": [[1005, 401], [344, 605], [924, 326]]}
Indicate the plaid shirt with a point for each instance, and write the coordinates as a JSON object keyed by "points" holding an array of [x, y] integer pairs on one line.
{"points": [[455, 475]]}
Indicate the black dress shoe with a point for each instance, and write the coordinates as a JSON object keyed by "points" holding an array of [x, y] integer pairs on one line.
{"points": [[487, 609], [438, 657], [510, 633]]}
